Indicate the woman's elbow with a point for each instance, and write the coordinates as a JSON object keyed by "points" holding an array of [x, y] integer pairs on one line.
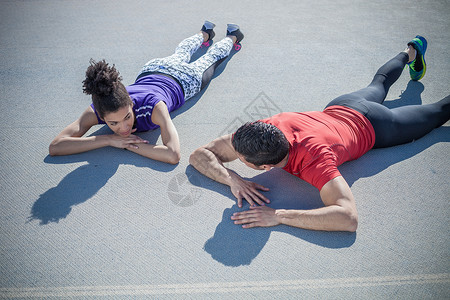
{"points": [[53, 150], [174, 157]]}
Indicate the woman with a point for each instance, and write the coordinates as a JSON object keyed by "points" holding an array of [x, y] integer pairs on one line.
{"points": [[163, 85], [311, 145]]}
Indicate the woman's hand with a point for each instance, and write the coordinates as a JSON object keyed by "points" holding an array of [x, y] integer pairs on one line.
{"points": [[129, 142]]}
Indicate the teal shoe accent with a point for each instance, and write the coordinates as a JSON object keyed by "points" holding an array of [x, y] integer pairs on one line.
{"points": [[418, 67]]}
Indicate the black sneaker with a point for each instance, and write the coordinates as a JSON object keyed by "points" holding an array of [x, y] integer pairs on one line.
{"points": [[209, 31], [234, 30]]}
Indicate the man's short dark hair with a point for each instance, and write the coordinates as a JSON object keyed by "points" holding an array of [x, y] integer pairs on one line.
{"points": [[260, 143]]}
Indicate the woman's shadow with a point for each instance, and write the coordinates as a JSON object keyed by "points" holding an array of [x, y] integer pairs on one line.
{"points": [[232, 245], [84, 182]]}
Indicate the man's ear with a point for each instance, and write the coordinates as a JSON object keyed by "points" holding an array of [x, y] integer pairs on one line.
{"points": [[267, 167]]}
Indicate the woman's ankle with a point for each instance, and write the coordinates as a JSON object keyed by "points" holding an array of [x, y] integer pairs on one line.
{"points": [[233, 38], [205, 36]]}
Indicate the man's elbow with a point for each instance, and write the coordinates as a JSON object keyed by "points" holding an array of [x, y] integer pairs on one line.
{"points": [[352, 222], [194, 158]]}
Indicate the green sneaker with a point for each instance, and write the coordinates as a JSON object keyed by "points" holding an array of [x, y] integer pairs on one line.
{"points": [[417, 67]]}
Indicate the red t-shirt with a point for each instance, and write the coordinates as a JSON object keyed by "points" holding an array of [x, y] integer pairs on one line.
{"points": [[321, 141]]}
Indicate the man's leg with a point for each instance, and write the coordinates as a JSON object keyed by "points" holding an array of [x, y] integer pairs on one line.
{"points": [[403, 124], [407, 123], [377, 90]]}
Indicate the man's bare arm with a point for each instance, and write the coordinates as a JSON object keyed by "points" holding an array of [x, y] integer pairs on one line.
{"points": [[339, 213], [209, 160]]}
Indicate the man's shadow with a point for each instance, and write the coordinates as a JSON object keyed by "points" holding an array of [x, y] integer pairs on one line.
{"points": [[234, 246], [84, 182], [410, 96]]}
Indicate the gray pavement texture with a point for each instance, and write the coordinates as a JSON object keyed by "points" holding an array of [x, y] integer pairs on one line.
{"points": [[111, 224]]}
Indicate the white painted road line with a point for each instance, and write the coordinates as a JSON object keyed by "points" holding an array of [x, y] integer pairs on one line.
{"points": [[224, 287]]}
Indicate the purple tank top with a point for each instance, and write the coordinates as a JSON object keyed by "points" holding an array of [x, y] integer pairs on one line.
{"points": [[145, 93]]}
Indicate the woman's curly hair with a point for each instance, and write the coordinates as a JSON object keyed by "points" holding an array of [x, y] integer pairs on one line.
{"points": [[103, 82]]}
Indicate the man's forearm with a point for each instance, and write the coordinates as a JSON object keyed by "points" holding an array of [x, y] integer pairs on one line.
{"points": [[209, 165], [329, 218]]}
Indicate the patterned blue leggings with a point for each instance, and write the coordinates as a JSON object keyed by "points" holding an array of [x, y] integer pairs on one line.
{"points": [[195, 75]]}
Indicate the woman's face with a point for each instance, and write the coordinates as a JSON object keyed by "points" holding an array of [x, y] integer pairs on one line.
{"points": [[121, 121]]}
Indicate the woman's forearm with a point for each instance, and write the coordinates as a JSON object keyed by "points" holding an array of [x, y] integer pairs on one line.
{"points": [[73, 145], [158, 152]]}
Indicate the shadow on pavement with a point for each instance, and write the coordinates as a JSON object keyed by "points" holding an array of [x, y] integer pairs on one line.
{"points": [[232, 245], [84, 182]]}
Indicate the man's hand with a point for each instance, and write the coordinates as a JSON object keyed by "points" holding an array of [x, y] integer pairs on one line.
{"points": [[248, 190], [257, 216], [130, 141]]}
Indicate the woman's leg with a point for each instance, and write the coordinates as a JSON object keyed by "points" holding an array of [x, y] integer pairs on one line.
{"points": [[196, 75], [191, 76], [207, 64], [187, 48], [182, 55]]}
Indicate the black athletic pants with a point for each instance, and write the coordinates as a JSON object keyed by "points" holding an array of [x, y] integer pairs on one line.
{"points": [[398, 125]]}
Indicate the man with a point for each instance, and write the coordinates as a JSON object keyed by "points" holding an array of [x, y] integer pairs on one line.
{"points": [[312, 145]]}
